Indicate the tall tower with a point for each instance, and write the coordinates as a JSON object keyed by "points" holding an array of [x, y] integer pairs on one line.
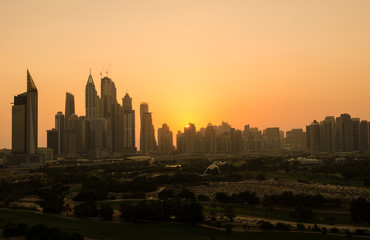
{"points": [[69, 108], [128, 125], [25, 120], [91, 99], [144, 108], [59, 126], [149, 140], [165, 141], [70, 105]]}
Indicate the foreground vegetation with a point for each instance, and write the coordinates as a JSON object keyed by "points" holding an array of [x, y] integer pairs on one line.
{"points": [[111, 230]]}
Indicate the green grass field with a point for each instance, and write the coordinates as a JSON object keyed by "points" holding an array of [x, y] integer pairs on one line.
{"points": [[109, 230], [277, 214]]}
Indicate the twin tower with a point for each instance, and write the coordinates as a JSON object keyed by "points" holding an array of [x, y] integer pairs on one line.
{"points": [[107, 129]]}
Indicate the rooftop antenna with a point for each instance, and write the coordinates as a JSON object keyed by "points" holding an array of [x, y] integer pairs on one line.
{"points": [[101, 71], [107, 70]]}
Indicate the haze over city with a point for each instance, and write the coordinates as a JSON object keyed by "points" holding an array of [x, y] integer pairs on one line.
{"points": [[264, 63]]}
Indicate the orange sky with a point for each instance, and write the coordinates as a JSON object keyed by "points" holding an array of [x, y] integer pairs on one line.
{"points": [[266, 63]]}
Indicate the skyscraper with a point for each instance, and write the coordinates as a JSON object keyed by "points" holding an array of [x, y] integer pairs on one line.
{"points": [[91, 99], [128, 125], [313, 137], [144, 108], [24, 129], [69, 109], [25, 120], [189, 138], [344, 133], [59, 126], [149, 140], [70, 104], [210, 139], [165, 141]]}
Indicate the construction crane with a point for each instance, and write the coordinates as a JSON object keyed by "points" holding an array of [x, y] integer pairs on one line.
{"points": [[107, 70], [101, 71]]}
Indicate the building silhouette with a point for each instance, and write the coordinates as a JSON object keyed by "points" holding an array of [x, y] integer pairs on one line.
{"points": [[144, 108], [148, 130], [59, 126], [69, 109], [24, 128], [25, 120], [165, 141], [128, 122], [91, 99]]}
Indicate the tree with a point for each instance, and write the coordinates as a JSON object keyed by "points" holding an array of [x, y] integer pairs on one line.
{"points": [[53, 198], [301, 213], [106, 212], [186, 194], [86, 209]]}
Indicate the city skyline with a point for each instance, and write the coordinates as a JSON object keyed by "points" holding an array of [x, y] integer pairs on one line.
{"points": [[260, 63]]}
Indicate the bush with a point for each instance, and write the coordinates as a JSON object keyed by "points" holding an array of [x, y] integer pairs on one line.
{"points": [[12, 229], [282, 226], [106, 212], [266, 225], [301, 213], [186, 194], [166, 194], [300, 227], [84, 210], [334, 230], [203, 198], [222, 197]]}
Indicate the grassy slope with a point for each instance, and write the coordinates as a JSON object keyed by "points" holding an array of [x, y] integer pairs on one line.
{"points": [[110, 230]]}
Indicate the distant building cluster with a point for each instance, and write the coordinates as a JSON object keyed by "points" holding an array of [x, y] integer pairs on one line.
{"points": [[225, 139], [108, 129], [341, 134]]}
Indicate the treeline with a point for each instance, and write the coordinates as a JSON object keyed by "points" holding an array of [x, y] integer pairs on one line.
{"points": [[245, 197], [12, 191], [360, 211], [286, 199], [168, 210], [38, 232]]}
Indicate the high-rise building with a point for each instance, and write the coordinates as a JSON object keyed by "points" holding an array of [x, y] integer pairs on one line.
{"points": [[313, 137], [69, 109], [52, 140], [70, 105], [108, 95], [144, 108], [59, 126], [113, 113], [25, 120], [24, 128], [149, 140], [189, 138], [344, 133], [210, 139], [165, 142], [296, 138], [128, 122], [327, 135], [364, 136], [91, 99], [272, 139], [356, 134]]}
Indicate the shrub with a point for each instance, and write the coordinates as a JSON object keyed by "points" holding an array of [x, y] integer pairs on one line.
{"points": [[265, 225], [282, 226]]}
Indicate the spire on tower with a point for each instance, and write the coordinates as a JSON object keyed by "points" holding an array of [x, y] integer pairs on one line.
{"points": [[31, 87], [90, 79]]}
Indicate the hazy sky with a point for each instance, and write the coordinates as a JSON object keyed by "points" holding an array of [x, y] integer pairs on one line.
{"points": [[265, 63]]}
